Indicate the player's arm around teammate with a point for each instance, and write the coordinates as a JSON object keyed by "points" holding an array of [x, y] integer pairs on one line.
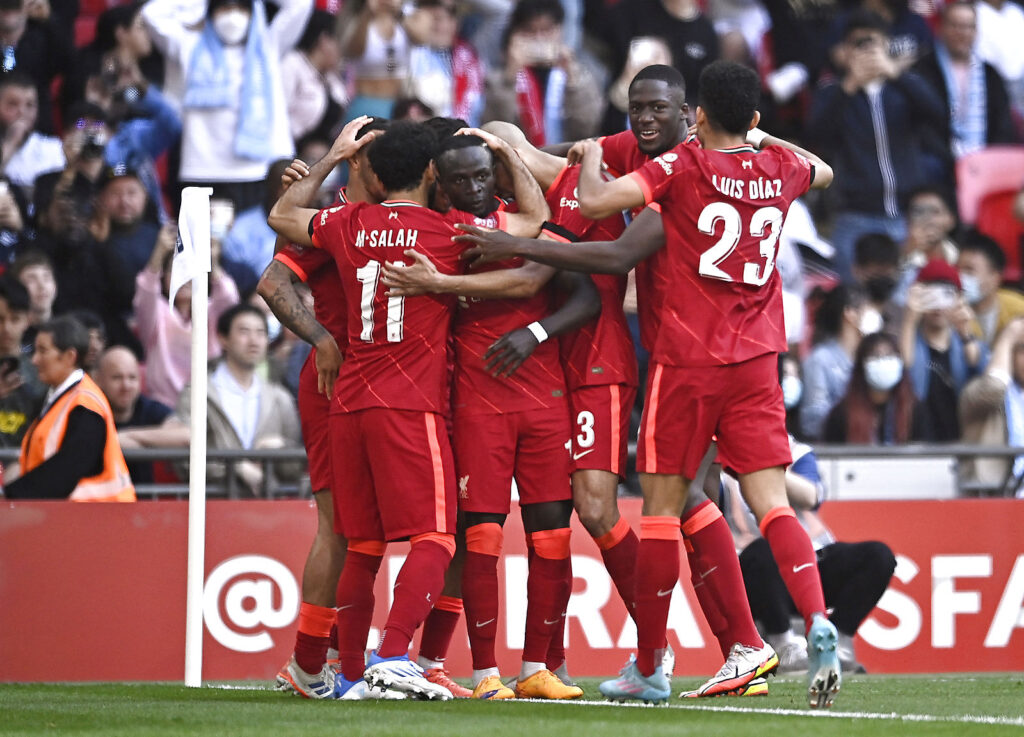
{"points": [[291, 217]]}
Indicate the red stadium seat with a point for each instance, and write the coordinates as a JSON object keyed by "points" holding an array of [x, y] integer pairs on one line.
{"points": [[987, 182], [996, 220]]}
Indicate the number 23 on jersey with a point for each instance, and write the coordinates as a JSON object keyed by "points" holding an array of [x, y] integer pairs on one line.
{"points": [[724, 220]]}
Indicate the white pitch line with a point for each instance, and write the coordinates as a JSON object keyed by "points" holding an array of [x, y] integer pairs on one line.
{"points": [[886, 716]]}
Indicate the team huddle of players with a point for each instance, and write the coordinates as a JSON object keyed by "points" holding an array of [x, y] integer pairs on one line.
{"points": [[462, 345]]}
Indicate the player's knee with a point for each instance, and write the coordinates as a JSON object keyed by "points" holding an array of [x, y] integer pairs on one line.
{"points": [[444, 540], [547, 515], [596, 515], [485, 538]]}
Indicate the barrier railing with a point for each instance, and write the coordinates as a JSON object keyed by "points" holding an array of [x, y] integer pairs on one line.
{"points": [[232, 489]]}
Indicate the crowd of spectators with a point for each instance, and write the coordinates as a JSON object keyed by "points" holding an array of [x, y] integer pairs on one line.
{"points": [[900, 318]]}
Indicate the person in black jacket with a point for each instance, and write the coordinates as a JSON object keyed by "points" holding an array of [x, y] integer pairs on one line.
{"points": [[977, 108], [871, 120]]}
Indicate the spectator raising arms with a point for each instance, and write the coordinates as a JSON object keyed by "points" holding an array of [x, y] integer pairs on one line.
{"points": [[377, 49], [227, 74]]}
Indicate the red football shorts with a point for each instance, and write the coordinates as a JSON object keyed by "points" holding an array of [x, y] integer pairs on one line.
{"points": [[313, 413], [741, 403], [532, 446], [600, 417], [395, 472]]}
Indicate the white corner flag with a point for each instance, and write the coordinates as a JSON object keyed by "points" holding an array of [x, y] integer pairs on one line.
{"points": [[192, 252], [192, 259]]}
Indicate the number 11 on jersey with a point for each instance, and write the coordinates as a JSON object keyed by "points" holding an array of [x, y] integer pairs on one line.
{"points": [[369, 277]]}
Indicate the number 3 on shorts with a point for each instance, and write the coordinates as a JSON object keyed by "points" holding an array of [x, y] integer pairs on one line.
{"points": [[585, 420], [732, 228]]}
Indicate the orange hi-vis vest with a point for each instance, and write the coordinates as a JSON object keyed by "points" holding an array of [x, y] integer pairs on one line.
{"points": [[45, 435]]}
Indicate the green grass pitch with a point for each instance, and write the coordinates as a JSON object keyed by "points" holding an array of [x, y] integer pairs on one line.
{"points": [[960, 705]]}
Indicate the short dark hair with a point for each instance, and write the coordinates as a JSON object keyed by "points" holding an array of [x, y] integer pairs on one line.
{"points": [[980, 243], [527, 10], [443, 128], [828, 318], [90, 320], [661, 73], [14, 294], [321, 23], [27, 260], [944, 13], [864, 20], [16, 78], [67, 332], [119, 16], [458, 143], [876, 248], [227, 318], [375, 124], [934, 190], [728, 94], [401, 156]]}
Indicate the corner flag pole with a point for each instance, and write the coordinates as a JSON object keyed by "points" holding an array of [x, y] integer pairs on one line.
{"points": [[191, 260]]}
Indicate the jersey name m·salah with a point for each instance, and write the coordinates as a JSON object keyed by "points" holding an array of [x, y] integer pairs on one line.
{"points": [[397, 346], [723, 212], [601, 352]]}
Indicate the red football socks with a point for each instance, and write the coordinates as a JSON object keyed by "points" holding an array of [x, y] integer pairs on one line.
{"points": [[313, 637], [355, 606], [657, 571], [547, 591], [439, 628], [718, 568], [619, 550], [417, 587], [480, 591], [796, 559]]}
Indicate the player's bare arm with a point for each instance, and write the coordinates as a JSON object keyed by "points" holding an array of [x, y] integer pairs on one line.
{"points": [[290, 215], [422, 277], [582, 305], [533, 209], [644, 236], [822, 172], [599, 198], [277, 287]]}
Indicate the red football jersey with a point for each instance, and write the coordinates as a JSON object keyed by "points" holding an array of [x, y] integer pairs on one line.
{"points": [[539, 383], [601, 352], [723, 213], [621, 153], [397, 346]]}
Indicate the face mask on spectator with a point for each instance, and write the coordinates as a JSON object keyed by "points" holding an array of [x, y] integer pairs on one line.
{"points": [[792, 390], [880, 288], [870, 321], [231, 26], [971, 287], [883, 372]]}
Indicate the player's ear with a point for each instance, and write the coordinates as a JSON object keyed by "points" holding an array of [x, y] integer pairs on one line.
{"points": [[700, 118], [755, 120]]}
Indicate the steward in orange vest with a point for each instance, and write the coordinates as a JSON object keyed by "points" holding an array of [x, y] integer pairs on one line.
{"points": [[71, 450]]}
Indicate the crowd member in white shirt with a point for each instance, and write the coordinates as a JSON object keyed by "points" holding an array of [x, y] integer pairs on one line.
{"points": [[243, 410], [226, 76], [1000, 30], [24, 152]]}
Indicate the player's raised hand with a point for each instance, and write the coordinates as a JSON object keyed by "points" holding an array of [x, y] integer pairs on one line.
{"points": [[346, 145], [412, 280], [488, 244], [296, 170], [493, 142], [509, 352]]}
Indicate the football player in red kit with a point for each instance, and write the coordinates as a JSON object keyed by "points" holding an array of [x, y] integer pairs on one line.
{"points": [[387, 429], [714, 353]]}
